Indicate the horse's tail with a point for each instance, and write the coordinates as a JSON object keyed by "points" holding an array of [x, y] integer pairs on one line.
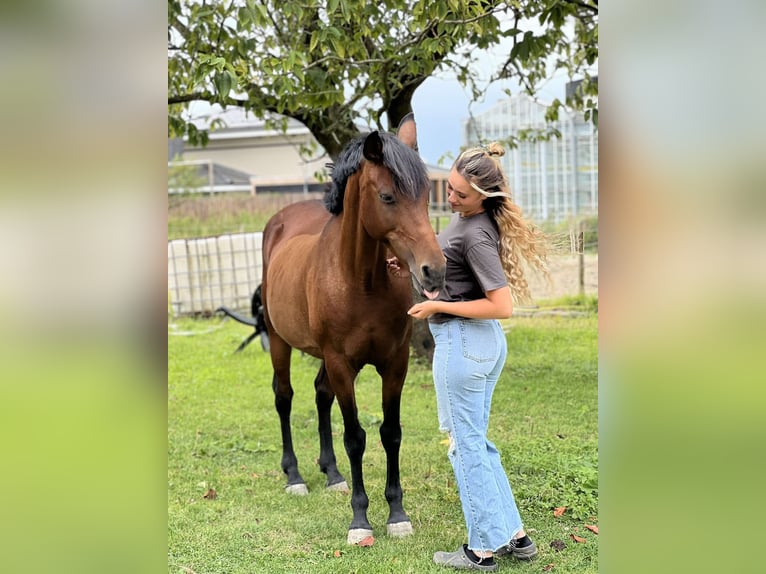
{"points": [[236, 316], [258, 321]]}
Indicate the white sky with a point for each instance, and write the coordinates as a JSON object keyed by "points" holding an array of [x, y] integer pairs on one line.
{"points": [[441, 106]]}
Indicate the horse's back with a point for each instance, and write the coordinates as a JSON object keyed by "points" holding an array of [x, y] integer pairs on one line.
{"points": [[289, 240]]}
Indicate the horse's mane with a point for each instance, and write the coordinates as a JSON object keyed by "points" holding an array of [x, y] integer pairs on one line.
{"points": [[407, 169]]}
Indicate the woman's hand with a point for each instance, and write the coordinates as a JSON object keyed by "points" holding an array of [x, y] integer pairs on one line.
{"points": [[393, 264], [497, 304], [423, 310]]}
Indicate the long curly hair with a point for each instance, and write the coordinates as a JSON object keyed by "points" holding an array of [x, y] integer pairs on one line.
{"points": [[520, 239]]}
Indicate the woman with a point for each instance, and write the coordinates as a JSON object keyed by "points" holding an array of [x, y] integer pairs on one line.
{"points": [[484, 245]]}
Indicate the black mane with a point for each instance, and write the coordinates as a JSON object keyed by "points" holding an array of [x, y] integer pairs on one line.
{"points": [[407, 169]]}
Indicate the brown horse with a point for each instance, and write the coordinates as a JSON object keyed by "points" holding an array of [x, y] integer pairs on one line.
{"points": [[327, 290]]}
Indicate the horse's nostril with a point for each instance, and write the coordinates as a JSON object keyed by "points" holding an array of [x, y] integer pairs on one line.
{"points": [[433, 276]]}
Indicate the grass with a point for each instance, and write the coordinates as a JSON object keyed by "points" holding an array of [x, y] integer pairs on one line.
{"points": [[223, 434]]}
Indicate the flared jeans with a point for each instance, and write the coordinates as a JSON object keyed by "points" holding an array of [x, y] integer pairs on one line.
{"points": [[468, 359]]}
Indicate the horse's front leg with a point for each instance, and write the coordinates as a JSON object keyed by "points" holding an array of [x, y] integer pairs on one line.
{"points": [[283, 401], [393, 375], [327, 463], [341, 379]]}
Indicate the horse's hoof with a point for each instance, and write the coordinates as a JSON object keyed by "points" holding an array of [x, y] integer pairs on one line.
{"points": [[341, 486], [299, 489], [356, 535], [399, 529]]}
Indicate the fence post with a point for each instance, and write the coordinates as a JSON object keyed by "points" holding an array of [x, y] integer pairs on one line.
{"points": [[581, 256]]}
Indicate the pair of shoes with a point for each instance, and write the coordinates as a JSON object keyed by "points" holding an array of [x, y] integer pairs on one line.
{"points": [[526, 552], [459, 559]]}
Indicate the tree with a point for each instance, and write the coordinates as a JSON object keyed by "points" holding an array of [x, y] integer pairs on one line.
{"points": [[335, 63]]}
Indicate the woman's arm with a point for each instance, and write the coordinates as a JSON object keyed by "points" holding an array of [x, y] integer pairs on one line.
{"points": [[497, 304]]}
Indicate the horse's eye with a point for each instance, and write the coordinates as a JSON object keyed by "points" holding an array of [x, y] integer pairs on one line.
{"points": [[386, 198]]}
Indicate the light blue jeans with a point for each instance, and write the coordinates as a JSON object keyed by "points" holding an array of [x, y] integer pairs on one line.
{"points": [[468, 358]]}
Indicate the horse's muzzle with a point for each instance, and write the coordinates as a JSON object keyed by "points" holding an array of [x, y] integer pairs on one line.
{"points": [[431, 280]]}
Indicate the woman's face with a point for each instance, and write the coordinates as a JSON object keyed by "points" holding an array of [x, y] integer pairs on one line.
{"points": [[462, 198]]}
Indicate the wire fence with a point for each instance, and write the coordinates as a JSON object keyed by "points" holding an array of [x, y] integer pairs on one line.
{"points": [[204, 274]]}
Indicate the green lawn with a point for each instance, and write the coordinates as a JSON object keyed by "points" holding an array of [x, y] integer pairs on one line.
{"points": [[223, 434]]}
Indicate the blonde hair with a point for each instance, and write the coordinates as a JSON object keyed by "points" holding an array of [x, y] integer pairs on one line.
{"points": [[519, 239]]}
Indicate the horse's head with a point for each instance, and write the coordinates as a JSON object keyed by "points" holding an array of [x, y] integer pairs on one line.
{"points": [[393, 204]]}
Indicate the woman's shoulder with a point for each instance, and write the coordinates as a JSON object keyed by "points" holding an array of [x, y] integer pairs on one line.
{"points": [[481, 229]]}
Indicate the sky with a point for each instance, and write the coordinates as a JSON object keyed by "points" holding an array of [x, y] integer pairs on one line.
{"points": [[441, 106]]}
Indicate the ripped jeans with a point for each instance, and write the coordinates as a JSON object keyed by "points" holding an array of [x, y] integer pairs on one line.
{"points": [[468, 359]]}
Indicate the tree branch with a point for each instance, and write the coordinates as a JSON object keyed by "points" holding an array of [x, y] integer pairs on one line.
{"points": [[589, 7], [192, 97]]}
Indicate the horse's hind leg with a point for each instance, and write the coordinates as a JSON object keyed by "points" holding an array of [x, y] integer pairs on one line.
{"points": [[283, 400], [327, 464]]}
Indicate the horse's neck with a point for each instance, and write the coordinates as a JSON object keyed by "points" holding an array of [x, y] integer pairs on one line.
{"points": [[360, 255]]}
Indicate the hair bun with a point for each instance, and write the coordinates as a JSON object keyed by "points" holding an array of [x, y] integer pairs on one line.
{"points": [[495, 149]]}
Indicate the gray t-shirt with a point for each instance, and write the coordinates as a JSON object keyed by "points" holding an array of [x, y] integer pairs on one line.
{"points": [[471, 246]]}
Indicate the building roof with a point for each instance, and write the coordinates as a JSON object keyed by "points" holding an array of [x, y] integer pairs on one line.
{"points": [[437, 170], [239, 123]]}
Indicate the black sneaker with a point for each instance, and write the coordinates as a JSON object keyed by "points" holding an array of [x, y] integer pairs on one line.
{"points": [[460, 560], [520, 548]]}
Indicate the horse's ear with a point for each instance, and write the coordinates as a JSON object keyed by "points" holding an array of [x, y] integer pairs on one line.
{"points": [[373, 148], [408, 131]]}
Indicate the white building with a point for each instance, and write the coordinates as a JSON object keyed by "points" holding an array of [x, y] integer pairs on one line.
{"points": [[261, 159], [551, 180], [242, 154]]}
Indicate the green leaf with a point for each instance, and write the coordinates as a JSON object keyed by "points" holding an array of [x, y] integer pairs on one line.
{"points": [[223, 84], [198, 77], [218, 62], [338, 46], [314, 40], [264, 12], [243, 17], [234, 77], [254, 14], [524, 50]]}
